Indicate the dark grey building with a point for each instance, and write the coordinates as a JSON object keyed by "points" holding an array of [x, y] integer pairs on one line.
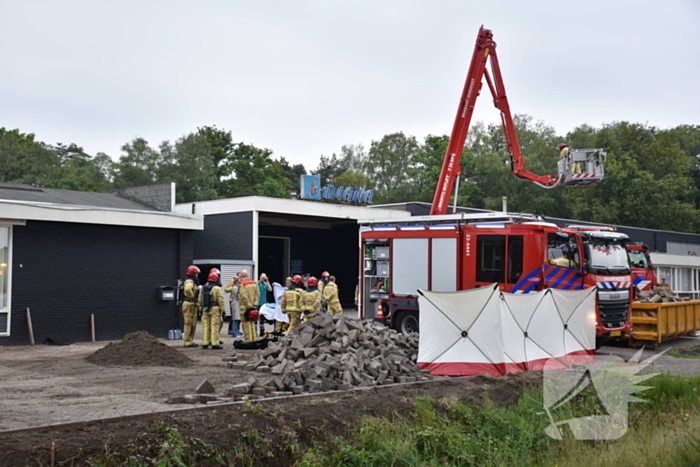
{"points": [[67, 255]]}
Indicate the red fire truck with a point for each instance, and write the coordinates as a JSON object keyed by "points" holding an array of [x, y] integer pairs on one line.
{"points": [[519, 252], [643, 271], [464, 251]]}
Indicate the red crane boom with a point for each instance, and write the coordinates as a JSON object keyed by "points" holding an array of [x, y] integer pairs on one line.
{"points": [[484, 49]]}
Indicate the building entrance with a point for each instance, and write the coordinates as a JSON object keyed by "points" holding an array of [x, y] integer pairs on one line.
{"points": [[273, 258]]}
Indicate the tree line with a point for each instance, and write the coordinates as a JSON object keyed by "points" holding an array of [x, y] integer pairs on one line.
{"points": [[652, 175]]}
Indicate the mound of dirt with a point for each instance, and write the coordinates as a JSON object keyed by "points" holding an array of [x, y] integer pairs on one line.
{"points": [[139, 349]]}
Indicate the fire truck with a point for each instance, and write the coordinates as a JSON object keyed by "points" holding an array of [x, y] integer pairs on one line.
{"points": [[643, 271], [520, 252]]}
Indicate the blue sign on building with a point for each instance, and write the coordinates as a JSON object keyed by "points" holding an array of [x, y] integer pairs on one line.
{"points": [[310, 187]]}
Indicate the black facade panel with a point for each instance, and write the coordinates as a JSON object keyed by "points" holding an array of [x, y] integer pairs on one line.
{"points": [[64, 272], [225, 236], [335, 250]]}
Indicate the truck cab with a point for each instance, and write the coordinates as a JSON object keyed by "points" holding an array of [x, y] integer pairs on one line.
{"points": [[643, 271]]}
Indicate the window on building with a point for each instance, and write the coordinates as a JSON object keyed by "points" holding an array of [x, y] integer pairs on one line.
{"points": [[515, 258], [490, 258], [5, 280]]}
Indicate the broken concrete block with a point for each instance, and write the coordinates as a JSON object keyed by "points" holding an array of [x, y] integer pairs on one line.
{"points": [[175, 400], [241, 388], [190, 399], [204, 398], [205, 387]]}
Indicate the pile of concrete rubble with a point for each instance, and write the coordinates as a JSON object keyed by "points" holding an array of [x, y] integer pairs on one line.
{"points": [[659, 296], [325, 354]]}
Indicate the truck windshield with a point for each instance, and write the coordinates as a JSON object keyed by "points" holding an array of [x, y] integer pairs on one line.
{"points": [[638, 259], [607, 257]]}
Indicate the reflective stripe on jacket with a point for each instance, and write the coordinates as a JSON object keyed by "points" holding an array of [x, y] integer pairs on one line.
{"points": [[311, 300], [248, 294], [291, 300]]}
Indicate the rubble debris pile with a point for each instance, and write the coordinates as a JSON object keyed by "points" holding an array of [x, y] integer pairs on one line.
{"points": [[326, 354], [330, 353], [139, 349], [659, 296]]}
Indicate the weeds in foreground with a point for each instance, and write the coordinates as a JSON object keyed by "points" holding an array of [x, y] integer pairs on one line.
{"points": [[663, 431]]}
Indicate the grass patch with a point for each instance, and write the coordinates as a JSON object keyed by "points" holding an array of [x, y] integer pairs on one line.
{"points": [[675, 353], [664, 431]]}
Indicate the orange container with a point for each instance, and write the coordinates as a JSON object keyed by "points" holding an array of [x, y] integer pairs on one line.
{"points": [[653, 323]]}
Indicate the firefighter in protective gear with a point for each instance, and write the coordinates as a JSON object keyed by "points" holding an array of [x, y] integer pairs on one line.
{"points": [[330, 296], [564, 262], [291, 302], [248, 297], [310, 299], [325, 279], [565, 155], [190, 304], [212, 302]]}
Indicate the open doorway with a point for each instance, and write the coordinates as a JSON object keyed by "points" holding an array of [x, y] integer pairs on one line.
{"points": [[273, 257]]}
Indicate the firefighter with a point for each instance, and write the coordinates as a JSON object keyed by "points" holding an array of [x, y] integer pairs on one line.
{"points": [[248, 297], [190, 304], [291, 302], [212, 302], [330, 296], [564, 262], [565, 154], [325, 279], [310, 299]]}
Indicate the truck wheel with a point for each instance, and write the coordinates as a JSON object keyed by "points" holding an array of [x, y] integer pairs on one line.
{"points": [[599, 342], [407, 322]]}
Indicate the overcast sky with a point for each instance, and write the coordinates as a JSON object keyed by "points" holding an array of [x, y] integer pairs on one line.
{"points": [[304, 77]]}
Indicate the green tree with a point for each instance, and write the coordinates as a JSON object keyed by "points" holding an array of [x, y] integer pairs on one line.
{"points": [[138, 166], [78, 170], [23, 159], [293, 173], [221, 148], [328, 169], [425, 166], [388, 162], [255, 173], [190, 164], [647, 182]]}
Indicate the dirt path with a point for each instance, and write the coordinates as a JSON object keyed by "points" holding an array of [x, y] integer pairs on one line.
{"points": [[46, 385]]}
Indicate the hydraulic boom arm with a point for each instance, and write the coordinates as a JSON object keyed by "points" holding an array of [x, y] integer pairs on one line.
{"points": [[485, 47]]}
